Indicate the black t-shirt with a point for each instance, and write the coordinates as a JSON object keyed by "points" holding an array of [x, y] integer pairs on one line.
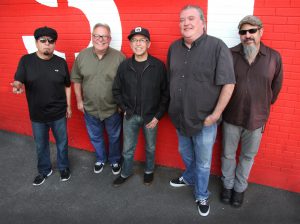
{"points": [[45, 82], [139, 68]]}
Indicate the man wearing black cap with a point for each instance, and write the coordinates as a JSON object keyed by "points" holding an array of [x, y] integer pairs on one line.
{"points": [[258, 71], [47, 83], [140, 90]]}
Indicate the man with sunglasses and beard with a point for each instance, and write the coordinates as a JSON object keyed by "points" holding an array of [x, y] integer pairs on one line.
{"points": [[259, 74], [48, 92]]}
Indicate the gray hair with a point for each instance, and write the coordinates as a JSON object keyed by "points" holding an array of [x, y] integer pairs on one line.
{"points": [[200, 11], [105, 26]]}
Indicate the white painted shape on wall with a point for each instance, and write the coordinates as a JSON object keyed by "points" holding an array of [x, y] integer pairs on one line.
{"points": [[223, 17], [50, 3], [104, 11]]}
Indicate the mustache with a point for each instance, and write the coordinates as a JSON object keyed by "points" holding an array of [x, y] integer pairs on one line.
{"points": [[248, 39]]}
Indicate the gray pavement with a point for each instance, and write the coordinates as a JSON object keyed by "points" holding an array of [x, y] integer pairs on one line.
{"points": [[91, 198]]}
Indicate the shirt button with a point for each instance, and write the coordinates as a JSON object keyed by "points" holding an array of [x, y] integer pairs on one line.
{"points": [[182, 76], [185, 62]]}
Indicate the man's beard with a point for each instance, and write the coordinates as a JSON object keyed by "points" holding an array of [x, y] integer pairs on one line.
{"points": [[250, 51], [47, 53]]}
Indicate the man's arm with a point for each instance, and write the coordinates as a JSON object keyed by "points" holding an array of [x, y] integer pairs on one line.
{"points": [[68, 95], [223, 100], [277, 81], [78, 94]]}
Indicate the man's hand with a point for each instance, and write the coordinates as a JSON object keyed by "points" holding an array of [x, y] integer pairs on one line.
{"points": [[80, 106], [17, 87], [69, 112], [211, 119], [152, 123]]}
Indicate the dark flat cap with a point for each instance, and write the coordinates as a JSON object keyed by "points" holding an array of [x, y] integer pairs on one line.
{"points": [[45, 31], [252, 20]]}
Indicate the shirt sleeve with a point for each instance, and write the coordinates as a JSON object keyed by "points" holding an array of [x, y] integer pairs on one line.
{"points": [[67, 78], [224, 69], [277, 81], [75, 73], [20, 74]]}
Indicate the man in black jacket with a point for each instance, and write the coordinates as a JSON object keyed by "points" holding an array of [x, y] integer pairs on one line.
{"points": [[141, 91]]}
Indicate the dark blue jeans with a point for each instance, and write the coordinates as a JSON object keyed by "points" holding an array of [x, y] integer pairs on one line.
{"points": [[131, 130], [41, 138], [95, 128]]}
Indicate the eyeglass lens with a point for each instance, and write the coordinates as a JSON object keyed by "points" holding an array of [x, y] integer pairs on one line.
{"points": [[44, 40], [251, 31]]}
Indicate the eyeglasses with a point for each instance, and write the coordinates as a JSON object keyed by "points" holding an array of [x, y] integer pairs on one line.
{"points": [[251, 31], [142, 41], [44, 40], [103, 37]]}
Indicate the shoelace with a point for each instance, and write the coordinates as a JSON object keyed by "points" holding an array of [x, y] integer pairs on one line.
{"points": [[115, 165], [202, 201], [181, 179]]}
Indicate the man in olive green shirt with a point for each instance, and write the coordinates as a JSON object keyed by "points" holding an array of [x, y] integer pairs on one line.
{"points": [[93, 74]]}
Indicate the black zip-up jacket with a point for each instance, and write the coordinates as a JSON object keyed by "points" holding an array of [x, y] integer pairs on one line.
{"points": [[154, 89]]}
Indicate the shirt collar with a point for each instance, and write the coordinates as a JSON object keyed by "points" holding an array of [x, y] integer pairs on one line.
{"points": [[239, 49], [196, 42]]}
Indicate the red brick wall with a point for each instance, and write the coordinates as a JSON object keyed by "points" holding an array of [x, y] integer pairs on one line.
{"points": [[278, 161]]}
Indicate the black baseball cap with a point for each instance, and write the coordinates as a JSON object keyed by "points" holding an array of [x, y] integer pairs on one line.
{"points": [[139, 30]]}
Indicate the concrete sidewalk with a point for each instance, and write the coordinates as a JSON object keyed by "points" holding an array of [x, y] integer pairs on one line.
{"points": [[91, 198]]}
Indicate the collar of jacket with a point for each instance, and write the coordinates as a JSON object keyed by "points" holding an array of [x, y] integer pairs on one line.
{"points": [[148, 63]]}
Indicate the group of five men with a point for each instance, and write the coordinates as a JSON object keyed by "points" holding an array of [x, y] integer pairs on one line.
{"points": [[204, 81]]}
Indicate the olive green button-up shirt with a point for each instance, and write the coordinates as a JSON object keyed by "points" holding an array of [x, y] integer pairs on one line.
{"points": [[96, 77]]}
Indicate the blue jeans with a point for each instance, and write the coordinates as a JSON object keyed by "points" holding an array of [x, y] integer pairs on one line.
{"points": [[41, 138], [95, 128], [196, 152], [131, 129]]}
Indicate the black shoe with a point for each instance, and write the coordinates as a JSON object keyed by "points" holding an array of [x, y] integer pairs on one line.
{"points": [[237, 199], [203, 207], [178, 182], [120, 180], [226, 195], [40, 179], [116, 168], [148, 178], [65, 174], [98, 167]]}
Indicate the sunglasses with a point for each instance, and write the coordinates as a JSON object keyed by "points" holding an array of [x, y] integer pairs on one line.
{"points": [[251, 31], [44, 40]]}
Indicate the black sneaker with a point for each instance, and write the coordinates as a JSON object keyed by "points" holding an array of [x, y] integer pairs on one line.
{"points": [[237, 199], [65, 174], [148, 178], [178, 182], [40, 179], [98, 167], [226, 195], [116, 168], [203, 207], [120, 180]]}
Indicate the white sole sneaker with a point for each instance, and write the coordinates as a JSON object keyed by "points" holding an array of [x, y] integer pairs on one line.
{"points": [[203, 214]]}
